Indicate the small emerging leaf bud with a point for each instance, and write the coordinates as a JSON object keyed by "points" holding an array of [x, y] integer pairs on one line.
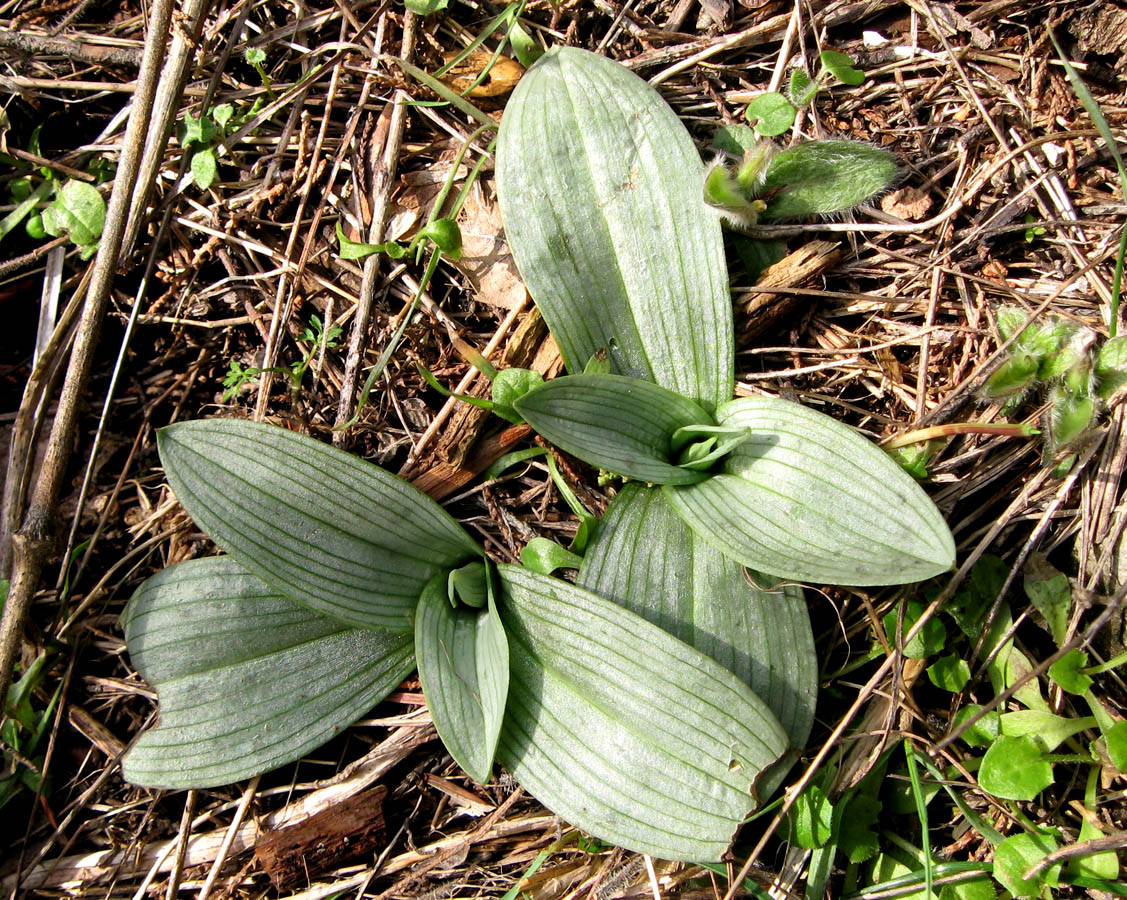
{"points": [[1011, 378], [1010, 319], [1111, 367], [722, 190], [1069, 416], [1078, 379], [753, 169]]}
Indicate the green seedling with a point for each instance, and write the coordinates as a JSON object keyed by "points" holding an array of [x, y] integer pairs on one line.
{"points": [[25, 724], [339, 577], [314, 334], [772, 114], [200, 136], [1077, 371]]}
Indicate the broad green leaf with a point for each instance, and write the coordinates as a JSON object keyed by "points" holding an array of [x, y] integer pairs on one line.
{"points": [[1047, 729], [978, 889], [623, 425], [770, 114], [809, 499], [623, 730], [1013, 858], [820, 177], [600, 190], [79, 211], [247, 679], [328, 530], [463, 659], [1015, 768], [647, 560]]}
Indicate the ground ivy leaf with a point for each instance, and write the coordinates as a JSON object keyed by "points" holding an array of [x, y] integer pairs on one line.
{"points": [[599, 185], [248, 680], [807, 498], [1015, 768], [1014, 856], [623, 730], [78, 211], [623, 425], [930, 639], [811, 818], [770, 114], [463, 659], [326, 529], [949, 673], [983, 732], [647, 560], [1066, 672]]}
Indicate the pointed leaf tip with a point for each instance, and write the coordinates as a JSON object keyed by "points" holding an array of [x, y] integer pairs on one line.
{"points": [[623, 730], [809, 499], [623, 425]]}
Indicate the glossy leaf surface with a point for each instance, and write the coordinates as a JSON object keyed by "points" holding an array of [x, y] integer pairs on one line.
{"points": [[463, 659], [649, 561], [624, 730], [600, 190], [247, 679], [809, 499], [324, 528], [623, 425]]}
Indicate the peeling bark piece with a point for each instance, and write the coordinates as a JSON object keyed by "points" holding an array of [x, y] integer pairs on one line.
{"points": [[765, 310], [294, 855]]}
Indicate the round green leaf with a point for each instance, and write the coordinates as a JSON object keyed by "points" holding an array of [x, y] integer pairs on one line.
{"points": [[1066, 672], [770, 114], [949, 673], [204, 168], [1015, 768]]}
